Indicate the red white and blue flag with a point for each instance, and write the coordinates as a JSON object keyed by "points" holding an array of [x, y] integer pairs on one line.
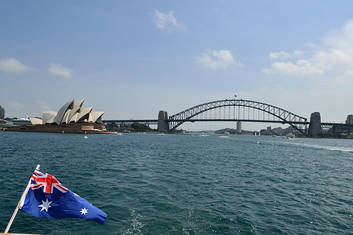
{"points": [[48, 198]]}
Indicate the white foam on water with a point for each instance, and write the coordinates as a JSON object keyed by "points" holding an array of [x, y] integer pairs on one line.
{"points": [[331, 148], [136, 225], [223, 136]]}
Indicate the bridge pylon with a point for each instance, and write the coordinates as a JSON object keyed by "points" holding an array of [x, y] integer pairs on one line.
{"points": [[163, 125], [315, 129]]}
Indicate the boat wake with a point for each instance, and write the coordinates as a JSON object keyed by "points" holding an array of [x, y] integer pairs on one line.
{"points": [[330, 148], [136, 225], [223, 136]]}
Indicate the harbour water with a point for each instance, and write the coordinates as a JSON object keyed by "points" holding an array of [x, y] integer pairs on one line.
{"points": [[186, 184]]}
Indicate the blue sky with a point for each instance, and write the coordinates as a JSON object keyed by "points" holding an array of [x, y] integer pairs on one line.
{"points": [[134, 58]]}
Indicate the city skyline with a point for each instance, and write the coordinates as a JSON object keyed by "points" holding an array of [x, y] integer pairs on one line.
{"points": [[132, 59]]}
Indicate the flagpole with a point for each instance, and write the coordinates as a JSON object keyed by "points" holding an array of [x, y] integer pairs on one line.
{"points": [[20, 203]]}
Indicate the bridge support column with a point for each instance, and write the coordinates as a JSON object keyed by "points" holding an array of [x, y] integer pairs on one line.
{"points": [[315, 129], [163, 125], [238, 127]]}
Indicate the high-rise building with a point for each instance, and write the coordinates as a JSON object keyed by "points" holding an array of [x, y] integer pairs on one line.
{"points": [[2, 112], [349, 119]]}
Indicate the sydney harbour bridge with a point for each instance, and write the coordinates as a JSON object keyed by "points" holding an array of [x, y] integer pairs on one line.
{"points": [[234, 110]]}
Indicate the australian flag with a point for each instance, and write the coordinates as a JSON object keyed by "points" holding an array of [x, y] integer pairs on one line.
{"points": [[47, 198]]}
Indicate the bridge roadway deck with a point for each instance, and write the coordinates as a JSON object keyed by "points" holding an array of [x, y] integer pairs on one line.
{"points": [[198, 120], [155, 121], [132, 120]]}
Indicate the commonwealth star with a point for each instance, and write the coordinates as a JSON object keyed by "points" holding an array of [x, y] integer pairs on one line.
{"points": [[45, 205]]}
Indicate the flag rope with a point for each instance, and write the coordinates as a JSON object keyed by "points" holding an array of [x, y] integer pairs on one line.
{"points": [[20, 203]]}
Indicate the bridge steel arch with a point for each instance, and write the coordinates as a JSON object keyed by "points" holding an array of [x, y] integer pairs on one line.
{"points": [[284, 116]]}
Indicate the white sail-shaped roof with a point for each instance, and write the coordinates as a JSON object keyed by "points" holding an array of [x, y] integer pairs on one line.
{"points": [[59, 117], [66, 116], [83, 114], [76, 108], [74, 118], [35, 121], [48, 116], [94, 116], [72, 111], [51, 120]]}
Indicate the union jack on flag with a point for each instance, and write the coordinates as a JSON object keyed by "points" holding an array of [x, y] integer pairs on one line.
{"points": [[47, 181], [48, 198]]}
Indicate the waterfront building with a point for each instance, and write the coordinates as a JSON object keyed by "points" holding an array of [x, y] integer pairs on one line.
{"points": [[2, 112], [70, 112], [70, 118]]}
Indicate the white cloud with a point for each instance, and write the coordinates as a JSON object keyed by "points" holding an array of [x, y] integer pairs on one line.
{"points": [[13, 66], [59, 70], [165, 21], [214, 59], [279, 55], [334, 55], [298, 53], [302, 67]]}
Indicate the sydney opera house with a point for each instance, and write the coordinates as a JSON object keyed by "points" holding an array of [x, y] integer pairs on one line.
{"points": [[71, 118]]}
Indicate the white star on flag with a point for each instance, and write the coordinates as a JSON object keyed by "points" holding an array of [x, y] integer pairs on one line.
{"points": [[84, 211], [45, 205]]}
